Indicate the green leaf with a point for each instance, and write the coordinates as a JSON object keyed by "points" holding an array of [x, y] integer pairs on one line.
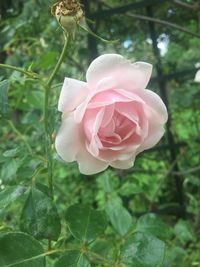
{"points": [[129, 189], [152, 224], [106, 183], [4, 85], [85, 223], [45, 61], [20, 250], [143, 250], [11, 194], [73, 259], [35, 99], [175, 256], [11, 153], [40, 217], [119, 217], [102, 247], [9, 171], [183, 231]]}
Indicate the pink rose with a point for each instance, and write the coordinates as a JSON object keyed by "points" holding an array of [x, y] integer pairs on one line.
{"points": [[111, 118]]}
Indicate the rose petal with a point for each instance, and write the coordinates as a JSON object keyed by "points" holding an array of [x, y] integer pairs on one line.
{"points": [[88, 122], [125, 164], [112, 155], [70, 147], [90, 165], [129, 112], [197, 77], [128, 76], [100, 99], [98, 120], [108, 114], [156, 131], [93, 147], [69, 139], [155, 103], [107, 131], [72, 94], [129, 95], [106, 84], [115, 139]]}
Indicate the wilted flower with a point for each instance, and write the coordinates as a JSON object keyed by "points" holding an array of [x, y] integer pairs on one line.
{"points": [[68, 13], [111, 118]]}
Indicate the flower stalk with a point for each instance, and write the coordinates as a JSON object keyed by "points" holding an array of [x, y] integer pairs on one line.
{"points": [[48, 137]]}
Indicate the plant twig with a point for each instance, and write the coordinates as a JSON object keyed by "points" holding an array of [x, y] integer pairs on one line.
{"points": [[168, 172], [25, 72], [100, 258], [186, 5], [186, 172], [163, 22]]}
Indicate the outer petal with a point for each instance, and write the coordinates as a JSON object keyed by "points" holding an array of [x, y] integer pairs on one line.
{"points": [[197, 77], [128, 76], [155, 103], [69, 139], [70, 146], [72, 94], [90, 165], [125, 164], [155, 134]]}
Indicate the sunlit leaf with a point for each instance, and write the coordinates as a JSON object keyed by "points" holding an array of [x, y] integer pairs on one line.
{"points": [[40, 217], [10, 194], [143, 250]]}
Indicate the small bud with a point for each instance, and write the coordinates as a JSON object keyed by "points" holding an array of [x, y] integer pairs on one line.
{"points": [[69, 14]]}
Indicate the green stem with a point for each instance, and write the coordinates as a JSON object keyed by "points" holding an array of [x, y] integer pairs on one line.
{"points": [[28, 73], [46, 115], [57, 67], [48, 253], [100, 258]]}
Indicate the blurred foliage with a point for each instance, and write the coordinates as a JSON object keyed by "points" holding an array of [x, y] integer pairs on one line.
{"points": [[136, 218]]}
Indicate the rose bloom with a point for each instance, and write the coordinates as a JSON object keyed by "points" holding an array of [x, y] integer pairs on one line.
{"points": [[111, 118]]}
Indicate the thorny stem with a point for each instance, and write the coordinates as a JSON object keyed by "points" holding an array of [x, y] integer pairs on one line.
{"points": [[46, 115], [57, 67], [48, 137], [25, 72]]}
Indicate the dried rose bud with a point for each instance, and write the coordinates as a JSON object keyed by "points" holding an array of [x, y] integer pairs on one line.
{"points": [[69, 14]]}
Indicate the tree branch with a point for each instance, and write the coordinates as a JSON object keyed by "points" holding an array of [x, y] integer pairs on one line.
{"points": [[163, 22]]}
